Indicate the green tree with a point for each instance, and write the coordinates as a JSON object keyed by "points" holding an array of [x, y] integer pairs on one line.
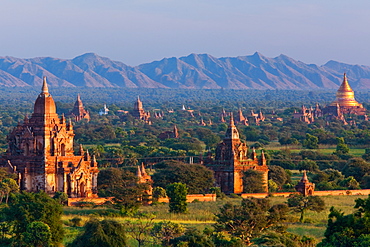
{"points": [[348, 230], [193, 238], [250, 218], [25, 208], [158, 192], [366, 155], [207, 136], [140, 228], [105, 233], [197, 177], [273, 187], [342, 147], [357, 168], [253, 182], [308, 165], [284, 238], [278, 175], [311, 142], [37, 235], [177, 193], [350, 183], [218, 192], [8, 186], [301, 204], [123, 186], [165, 231], [61, 197]]}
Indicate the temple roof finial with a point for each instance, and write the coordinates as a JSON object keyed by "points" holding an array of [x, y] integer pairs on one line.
{"points": [[304, 176], [345, 87], [45, 89], [232, 119]]}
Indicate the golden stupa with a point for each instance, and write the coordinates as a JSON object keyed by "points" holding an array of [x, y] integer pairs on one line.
{"points": [[346, 96]]}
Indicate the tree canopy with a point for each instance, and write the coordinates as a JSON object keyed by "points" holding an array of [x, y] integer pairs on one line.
{"points": [[26, 208], [250, 218], [197, 178]]}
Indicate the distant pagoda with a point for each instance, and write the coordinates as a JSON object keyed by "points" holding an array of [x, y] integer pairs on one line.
{"points": [[78, 112], [345, 101]]}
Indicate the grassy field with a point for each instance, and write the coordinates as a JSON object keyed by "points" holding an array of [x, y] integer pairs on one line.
{"points": [[358, 152], [201, 215]]}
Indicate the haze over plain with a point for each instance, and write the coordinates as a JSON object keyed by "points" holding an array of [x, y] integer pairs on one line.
{"points": [[140, 31]]}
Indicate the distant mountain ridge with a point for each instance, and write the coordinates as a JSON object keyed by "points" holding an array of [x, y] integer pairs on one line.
{"points": [[196, 71]]}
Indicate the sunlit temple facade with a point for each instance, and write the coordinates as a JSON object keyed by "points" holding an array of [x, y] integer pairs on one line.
{"points": [[41, 153]]}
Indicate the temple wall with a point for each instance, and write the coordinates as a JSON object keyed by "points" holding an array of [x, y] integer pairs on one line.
{"points": [[315, 193], [96, 200], [192, 197]]}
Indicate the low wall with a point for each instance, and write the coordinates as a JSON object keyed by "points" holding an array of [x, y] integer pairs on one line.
{"points": [[95, 200], [315, 193], [341, 192], [192, 197]]}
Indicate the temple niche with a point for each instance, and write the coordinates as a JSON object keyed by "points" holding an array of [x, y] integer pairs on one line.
{"points": [[41, 153], [78, 112], [232, 160]]}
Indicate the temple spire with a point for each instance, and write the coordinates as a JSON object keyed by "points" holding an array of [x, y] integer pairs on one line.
{"points": [[232, 119], [45, 89], [232, 132], [345, 87], [304, 176], [345, 95]]}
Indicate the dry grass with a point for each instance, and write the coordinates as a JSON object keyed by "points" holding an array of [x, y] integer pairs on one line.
{"points": [[201, 215]]}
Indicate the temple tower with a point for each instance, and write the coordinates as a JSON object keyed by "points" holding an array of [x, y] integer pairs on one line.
{"points": [[41, 152], [345, 100], [139, 113], [345, 96], [78, 112], [232, 160], [305, 187]]}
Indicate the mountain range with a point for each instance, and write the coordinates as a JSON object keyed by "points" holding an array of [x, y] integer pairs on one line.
{"points": [[196, 71]]}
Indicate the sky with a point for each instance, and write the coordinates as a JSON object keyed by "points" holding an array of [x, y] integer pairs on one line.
{"points": [[141, 31]]}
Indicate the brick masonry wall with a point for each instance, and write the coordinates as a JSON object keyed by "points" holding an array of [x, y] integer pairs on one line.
{"points": [[192, 197], [316, 193]]}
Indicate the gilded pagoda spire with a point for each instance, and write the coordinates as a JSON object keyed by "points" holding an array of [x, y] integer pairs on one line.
{"points": [[345, 95]]}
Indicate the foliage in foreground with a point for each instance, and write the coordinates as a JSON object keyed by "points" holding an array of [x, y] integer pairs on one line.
{"points": [[27, 208], [105, 233], [349, 230], [123, 186], [301, 204], [177, 193], [249, 219]]}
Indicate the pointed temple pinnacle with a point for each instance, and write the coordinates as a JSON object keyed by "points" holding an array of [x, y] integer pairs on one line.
{"points": [[263, 157], [304, 176], [138, 173], [45, 89], [345, 87], [232, 119]]}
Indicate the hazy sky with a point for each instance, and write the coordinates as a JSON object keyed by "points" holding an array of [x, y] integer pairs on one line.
{"points": [[140, 31]]}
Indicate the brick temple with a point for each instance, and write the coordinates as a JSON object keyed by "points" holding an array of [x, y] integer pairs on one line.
{"points": [[41, 153], [232, 160]]}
